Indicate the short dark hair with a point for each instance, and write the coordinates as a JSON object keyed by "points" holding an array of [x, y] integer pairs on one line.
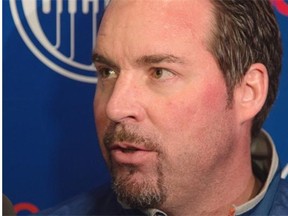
{"points": [[247, 32]]}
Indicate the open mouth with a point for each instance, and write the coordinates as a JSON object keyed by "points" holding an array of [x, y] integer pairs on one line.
{"points": [[130, 154], [128, 150]]}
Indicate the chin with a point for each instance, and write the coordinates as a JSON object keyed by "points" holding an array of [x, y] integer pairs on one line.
{"points": [[139, 191]]}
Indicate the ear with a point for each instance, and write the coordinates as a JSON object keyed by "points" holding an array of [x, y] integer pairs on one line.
{"points": [[251, 93]]}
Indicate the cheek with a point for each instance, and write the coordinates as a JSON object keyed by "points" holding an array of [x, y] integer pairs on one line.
{"points": [[99, 106], [179, 114], [195, 131], [197, 109], [187, 121], [101, 123], [211, 104], [98, 114], [215, 96]]}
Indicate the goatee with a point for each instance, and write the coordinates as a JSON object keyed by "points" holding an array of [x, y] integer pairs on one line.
{"points": [[140, 194]]}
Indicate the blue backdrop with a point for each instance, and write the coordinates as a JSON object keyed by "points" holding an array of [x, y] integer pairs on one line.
{"points": [[50, 149]]}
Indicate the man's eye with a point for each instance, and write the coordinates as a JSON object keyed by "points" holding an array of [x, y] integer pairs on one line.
{"points": [[160, 73], [107, 73]]}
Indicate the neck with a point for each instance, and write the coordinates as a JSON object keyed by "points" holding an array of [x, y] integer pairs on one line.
{"points": [[218, 202], [232, 184]]}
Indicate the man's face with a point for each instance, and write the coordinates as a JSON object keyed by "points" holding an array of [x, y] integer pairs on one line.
{"points": [[161, 101]]}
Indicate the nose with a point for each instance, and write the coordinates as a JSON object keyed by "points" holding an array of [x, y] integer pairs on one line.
{"points": [[125, 102]]}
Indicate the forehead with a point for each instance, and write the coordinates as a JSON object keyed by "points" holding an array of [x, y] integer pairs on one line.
{"points": [[154, 24]]}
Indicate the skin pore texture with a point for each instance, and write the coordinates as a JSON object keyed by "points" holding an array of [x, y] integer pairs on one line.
{"points": [[164, 125]]}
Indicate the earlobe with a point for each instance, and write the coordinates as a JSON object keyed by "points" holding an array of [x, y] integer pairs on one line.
{"points": [[252, 91]]}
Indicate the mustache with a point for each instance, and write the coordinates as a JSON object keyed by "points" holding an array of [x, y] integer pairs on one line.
{"points": [[119, 133]]}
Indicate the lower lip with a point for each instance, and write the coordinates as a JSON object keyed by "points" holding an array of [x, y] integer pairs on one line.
{"points": [[135, 157]]}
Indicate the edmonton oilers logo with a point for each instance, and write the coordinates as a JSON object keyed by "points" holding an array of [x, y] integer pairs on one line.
{"points": [[60, 33]]}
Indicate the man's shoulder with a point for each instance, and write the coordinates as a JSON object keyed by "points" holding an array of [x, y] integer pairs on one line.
{"points": [[275, 200], [99, 201], [280, 204]]}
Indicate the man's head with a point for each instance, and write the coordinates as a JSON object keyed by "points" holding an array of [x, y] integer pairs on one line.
{"points": [[171, 126]]}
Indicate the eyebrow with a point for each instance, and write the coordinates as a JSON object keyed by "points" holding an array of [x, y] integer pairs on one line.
{"points": [[159, 58], [97, 58], [143, 60]]}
